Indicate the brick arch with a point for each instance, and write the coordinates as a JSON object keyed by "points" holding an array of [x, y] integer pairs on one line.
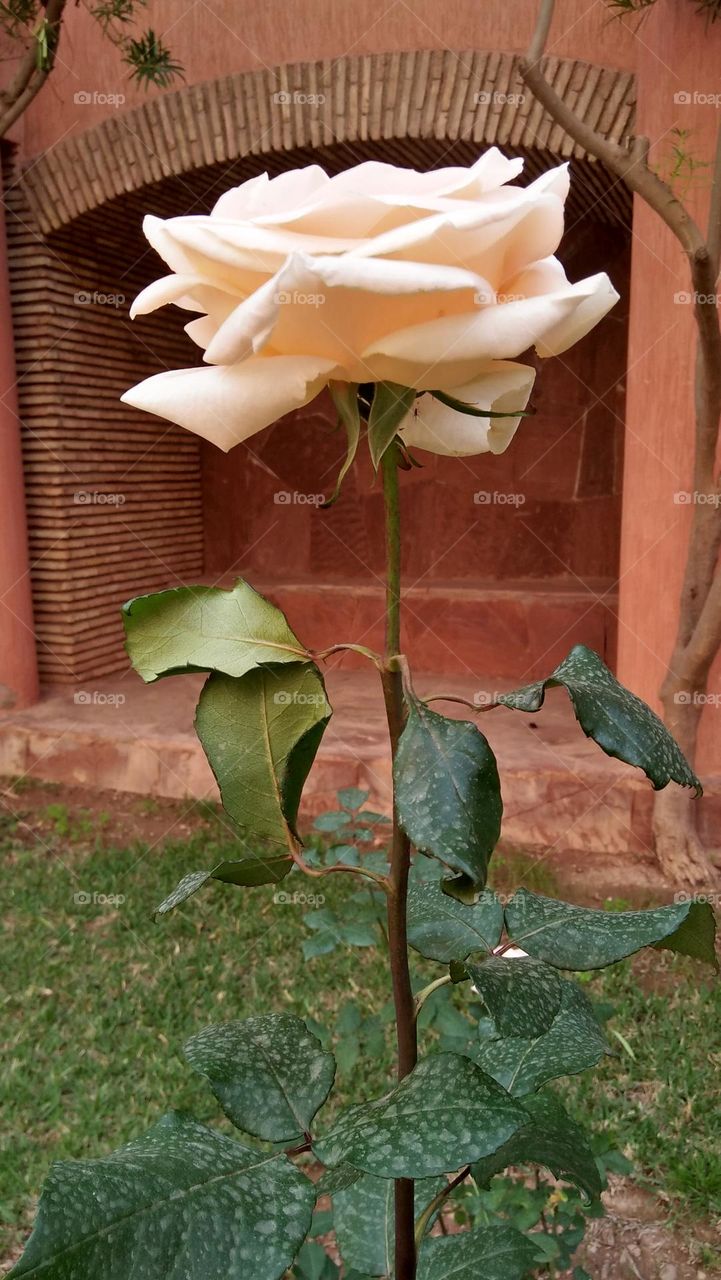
{"points": [[435, 95]]}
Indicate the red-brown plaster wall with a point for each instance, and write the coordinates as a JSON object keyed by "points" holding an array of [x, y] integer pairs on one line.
{"points": [[217, 37]]}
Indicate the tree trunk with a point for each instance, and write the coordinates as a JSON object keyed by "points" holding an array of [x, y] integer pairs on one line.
{"points": [[680, 852]]}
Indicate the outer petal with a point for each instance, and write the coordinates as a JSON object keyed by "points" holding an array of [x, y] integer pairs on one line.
{"points": [[265, 196], [442, 352], [227, 405], [503, 387]]}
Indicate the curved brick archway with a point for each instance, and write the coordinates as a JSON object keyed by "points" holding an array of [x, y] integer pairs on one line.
{"points": [[470, 96]]}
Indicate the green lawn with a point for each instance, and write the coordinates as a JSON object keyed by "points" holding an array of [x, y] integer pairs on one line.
{"points": [[98, 1000]]}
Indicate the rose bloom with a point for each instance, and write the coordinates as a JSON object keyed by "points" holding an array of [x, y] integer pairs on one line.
{"points": [[436, 281]]}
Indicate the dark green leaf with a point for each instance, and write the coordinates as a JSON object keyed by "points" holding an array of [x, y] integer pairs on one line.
{"points": [[522, 996], [364, 1222], [446, 1113], [621, 724], [254, 869], [573, 1042], [448, 791], [444, 929], [269, 1074], [313, 1263], [552, 1139], [571, 937], [493, 1253], [206, 629], [260, 734], [334, 1180], [391, 403], [345, 399], [181, 1201]]}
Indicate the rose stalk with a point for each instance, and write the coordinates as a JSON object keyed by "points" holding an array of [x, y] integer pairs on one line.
{"points": [[410, 296], [419, 283]]}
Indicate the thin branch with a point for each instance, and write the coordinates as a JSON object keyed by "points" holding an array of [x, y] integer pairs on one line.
{"points": [[428, 991], [628, 163], [319, 872], [437, 1202]]}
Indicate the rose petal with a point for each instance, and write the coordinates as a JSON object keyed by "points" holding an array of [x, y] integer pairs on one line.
{"points": [[227, 405], [503, 387], [330, 305], [441, 352]]}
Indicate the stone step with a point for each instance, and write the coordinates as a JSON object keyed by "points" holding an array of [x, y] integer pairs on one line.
{"points": [[560, 791]]}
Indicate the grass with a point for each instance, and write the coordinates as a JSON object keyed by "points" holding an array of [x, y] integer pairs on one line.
{"points": [[98, 1001]]}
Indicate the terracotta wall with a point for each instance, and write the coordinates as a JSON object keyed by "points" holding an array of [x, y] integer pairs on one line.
{"points": [[221, 36], [113, 496], [679, 88]]}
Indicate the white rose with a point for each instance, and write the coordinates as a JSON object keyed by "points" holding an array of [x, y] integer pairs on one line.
{"points": [[436, 281]]}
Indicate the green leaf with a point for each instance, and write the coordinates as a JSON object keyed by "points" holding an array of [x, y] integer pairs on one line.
{"points": [[621, 724], [269, 1074], [446, 1113], [573, 1042], [206, 629], [334, 820], [443, 929], [448, 791], [260, 734], [180, 1201], [391, 404], [522, 996], [551, 1139], [345, 399], [364, 1220], [494, 1253], [313, 1263], [572, 937], [352, 797], [334, 1180], [254, 869]]}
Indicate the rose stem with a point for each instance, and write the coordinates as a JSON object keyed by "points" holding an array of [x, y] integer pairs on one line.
{"points": [[405, 1252]]}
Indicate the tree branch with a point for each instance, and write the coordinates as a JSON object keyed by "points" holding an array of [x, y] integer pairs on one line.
{"points": [[29, 77], [699, 625]]}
